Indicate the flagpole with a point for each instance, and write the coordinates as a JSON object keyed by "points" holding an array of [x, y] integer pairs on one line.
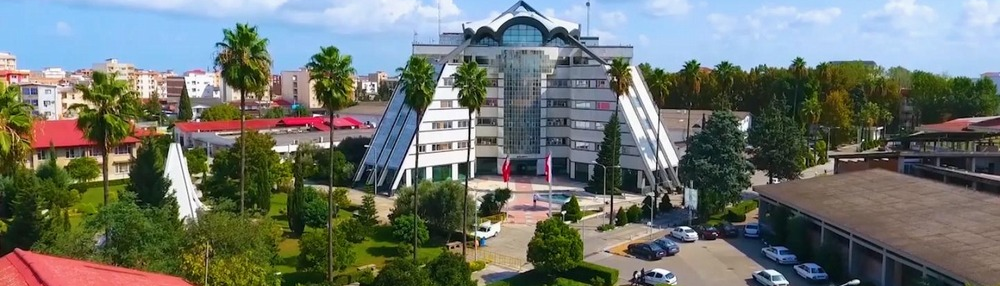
{"points": [[548, 177]]}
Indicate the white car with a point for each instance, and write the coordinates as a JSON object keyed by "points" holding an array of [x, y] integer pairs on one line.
{"points": [[684, 233], [780, 254], [769, 277], [811, 272], [659, 276], [751, 230], [487, 230]]}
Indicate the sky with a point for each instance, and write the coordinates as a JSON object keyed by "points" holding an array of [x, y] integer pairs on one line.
{"points": [[956, 37]]}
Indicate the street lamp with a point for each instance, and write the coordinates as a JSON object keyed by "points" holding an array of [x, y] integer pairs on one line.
{"points": [[611, 208], [852, 282]]}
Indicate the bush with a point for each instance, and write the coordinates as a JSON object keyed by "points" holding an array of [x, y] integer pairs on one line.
{"points": [[87, 209], [665, 205], [403, 228], [634, 214], [745, 206], [587, 271], [598, 281], [605, 227], [404, 250], [477, 265], [734, 216], [572, 209], [621, 218], [567, 282], [354, 230]]}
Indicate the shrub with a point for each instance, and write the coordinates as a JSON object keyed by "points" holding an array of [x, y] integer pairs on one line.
{"points": [[734, 216], [634, 214], [598, 281], [745, 206], [404, 250], [354, 230], [572, 209], [605, 227], [621, 218], [87, 209], [587, 271], [665, 205], [566, 282], [403, 228], [477, 265]]}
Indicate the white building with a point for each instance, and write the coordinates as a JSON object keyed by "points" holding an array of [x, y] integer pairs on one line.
{"points": [[148, 82], [45, 99], [296, 88], [8, 62], [53, 73], [550, 93], [124, 71], [201, 84]]}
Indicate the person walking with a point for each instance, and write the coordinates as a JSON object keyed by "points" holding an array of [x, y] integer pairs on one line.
{"points": [[635, 277]]}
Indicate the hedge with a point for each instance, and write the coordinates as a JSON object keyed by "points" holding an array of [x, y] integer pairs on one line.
{"points": [[83, 187], [586, 272]]}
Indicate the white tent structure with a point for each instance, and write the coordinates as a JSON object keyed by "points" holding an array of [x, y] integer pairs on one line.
{"points": [[181, 185]]}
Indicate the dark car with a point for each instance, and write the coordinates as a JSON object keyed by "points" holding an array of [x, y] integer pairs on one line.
{"points": [[727, 230], [706, 232], [668, 245], [646, 250]]}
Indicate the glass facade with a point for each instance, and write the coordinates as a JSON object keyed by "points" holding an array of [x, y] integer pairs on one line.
{"points": [[522, 35], [522, 99]]}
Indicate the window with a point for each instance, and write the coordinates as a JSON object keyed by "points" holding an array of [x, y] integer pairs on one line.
{"points": [[602, 83], [43, 155], [446, 104], [583, 124], [491, 102], [422, 148], [122, 149], [604, 105], [560, 141], [630, 150], [441, 147], [121, 168], [463, 124], [441, 125], [556, 121], [96, 151], [486, 121], [522, 35], [486, 141], [558, 102], [583, 104], [72, 153], [441, 173], [449, 81], [585, 146], [463, 145]]}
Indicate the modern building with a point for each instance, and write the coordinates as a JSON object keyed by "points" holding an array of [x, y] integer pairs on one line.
{"points": [[149, 82], [297, 88], [201, 84], [25, 268], [15, 76], [69, 143], [68, 96], [124, 71], [8, 62], [53, 72], [45, 99], [891, 229], [287, 132], [549, 93]]}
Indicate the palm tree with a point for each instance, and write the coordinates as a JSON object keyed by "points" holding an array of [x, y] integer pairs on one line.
{"points": [[471, 82], [621, 82], [691, 73], [330, 72], [659, 86], [107, 118], [725, 74], [418, 83], [801, 74], [812, 109], [16, 128], [246, 66]]}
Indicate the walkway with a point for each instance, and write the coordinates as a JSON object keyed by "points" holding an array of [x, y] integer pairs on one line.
{"points": [[522, 208]]}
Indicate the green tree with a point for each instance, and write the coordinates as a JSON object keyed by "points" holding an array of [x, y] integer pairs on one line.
{"points": [[247, 245], [27, 224], [716, 165], [340, 165], [313, 251], [221, 112], [838, 116], [621, 217], [316, 211], [418, 83], [403, 272], [691, 76], [297, 199], [572, 209], [555, 247], [16, 128], [450, 269], [51, 171], [471, 80], [634, 214], [184, 112], [501, 196], [725, 75], [197, 161], [777, 142], [800, 76], [354, 149], [609, 157], [246, 66], [83, 169], [403, 228], [442, 203], [147, 179], [274, 112], [263, 173], [107, 118], [620, 75], [367, 213]]}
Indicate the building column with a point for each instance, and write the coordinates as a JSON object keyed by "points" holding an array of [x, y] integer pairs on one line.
{"points": [[408, 177], [886, 270], [850, 257], [822, 234]]}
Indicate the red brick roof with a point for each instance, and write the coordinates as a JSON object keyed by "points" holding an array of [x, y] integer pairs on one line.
{"points": [[961, 124], [319, 123], [282, 102], [24, 268], [63, 133]]}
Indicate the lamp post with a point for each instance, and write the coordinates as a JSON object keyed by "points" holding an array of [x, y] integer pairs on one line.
{"points": [[852, 283], [611, 208]]}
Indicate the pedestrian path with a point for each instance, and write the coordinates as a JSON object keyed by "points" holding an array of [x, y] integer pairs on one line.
{"points": [[523, 209]]}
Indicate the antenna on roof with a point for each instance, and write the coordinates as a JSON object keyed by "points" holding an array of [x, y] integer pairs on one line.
{"points": [[439, 17], [588, 17]]}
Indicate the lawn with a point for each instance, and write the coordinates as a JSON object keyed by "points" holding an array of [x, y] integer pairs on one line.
{"points": [[90, 201]]}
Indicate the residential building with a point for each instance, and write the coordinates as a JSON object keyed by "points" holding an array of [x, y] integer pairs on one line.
{"points": [[124, 71], [69, 95], [25, 268], [174, 86], [549, 95], [378, 76], [201, 84], [8, 62], [231, 95], [44, 99], [69, 143], [53, 72], [287, 132], [14, 76], [276, 86], [297, 89], [148, 82]]}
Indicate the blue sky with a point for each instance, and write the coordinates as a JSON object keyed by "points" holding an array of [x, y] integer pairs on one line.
{"points": [[957, 37]]}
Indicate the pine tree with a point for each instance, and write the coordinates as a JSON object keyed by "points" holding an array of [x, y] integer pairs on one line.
{"points": [[51, 171], [28, 222], [368, 213], [297, 199], [609, 156], [716, 164], [778, 145], [147, 179], [185, 113], [572, 209]]}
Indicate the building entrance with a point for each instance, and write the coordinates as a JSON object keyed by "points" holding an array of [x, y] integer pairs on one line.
{"points": [[523, 167]]}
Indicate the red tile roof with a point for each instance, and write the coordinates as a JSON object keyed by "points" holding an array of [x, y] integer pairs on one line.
{"points": [[961, 124], [24, 268], [319, 123], [346, 121], [282, 102], [63, 133]]}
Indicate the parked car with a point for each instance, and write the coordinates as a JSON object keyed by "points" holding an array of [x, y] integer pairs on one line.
{"points": [[659, 276], [769, 277], [751, 230], [811, 272], [646, 250], [488, 230], [727, 229], [684, 233], [780, 254], [668, 245], [707, 232]]}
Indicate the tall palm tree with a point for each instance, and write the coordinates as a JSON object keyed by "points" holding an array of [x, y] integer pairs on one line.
{"points": [[107, 118], [471, 82], [659, 86], [330, 72], [246, 66], [418, 83], [621, 81], [801, 74], [691, 73], [725, 74], [16, 131]]}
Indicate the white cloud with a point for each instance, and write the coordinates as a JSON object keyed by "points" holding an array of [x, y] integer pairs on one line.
{"points": [[643, 40], [63, 29], [767, 21], [900, 17], [342, 16], [980, 17], [607, 37], [613, 18], [661, 8]]}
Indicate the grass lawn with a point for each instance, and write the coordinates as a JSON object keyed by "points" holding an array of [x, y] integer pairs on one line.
{"points": [[92, 199], [382, 245]]}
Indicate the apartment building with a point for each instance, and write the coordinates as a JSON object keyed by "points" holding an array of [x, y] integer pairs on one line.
{"points": [[125, 71], [68, 96], [44, 99], [148, 82], [14, 76], [276, 86], [53, 72], [174, 86], [8, 62], [69, 143], [296, 87], [201, 84]]}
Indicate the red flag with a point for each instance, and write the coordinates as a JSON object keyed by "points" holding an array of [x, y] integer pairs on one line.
{"points": [[505, 170], [548, 167]]}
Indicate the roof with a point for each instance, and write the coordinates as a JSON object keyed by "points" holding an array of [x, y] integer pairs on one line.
{"points": [[953, 230], [962, 124], [674, 119], [63, 133], [521, 10], [258, 124], [25, 268]]}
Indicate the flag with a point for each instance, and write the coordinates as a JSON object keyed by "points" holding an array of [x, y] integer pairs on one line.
{"points": [[505, 170], [548, 167]]}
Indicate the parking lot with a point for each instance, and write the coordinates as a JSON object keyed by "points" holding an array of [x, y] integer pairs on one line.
{"points": [[713, 262]]}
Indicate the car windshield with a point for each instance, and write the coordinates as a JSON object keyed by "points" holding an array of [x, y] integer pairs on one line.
{"points": [[751, 226], [711, 228], [484, 229], [689, 231], [669, 276], [777, 278], [816, 270], [782, 252], [664, 242]]}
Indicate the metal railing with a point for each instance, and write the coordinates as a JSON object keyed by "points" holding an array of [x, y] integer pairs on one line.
{"points": [[497, 259]]}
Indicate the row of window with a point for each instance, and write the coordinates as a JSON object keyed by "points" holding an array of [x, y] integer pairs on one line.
{"points": [[595, 147], [557, 103], [440, 125], [437, 147], [80, 152], [563, 141], [549, 122], [553, 83]]}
